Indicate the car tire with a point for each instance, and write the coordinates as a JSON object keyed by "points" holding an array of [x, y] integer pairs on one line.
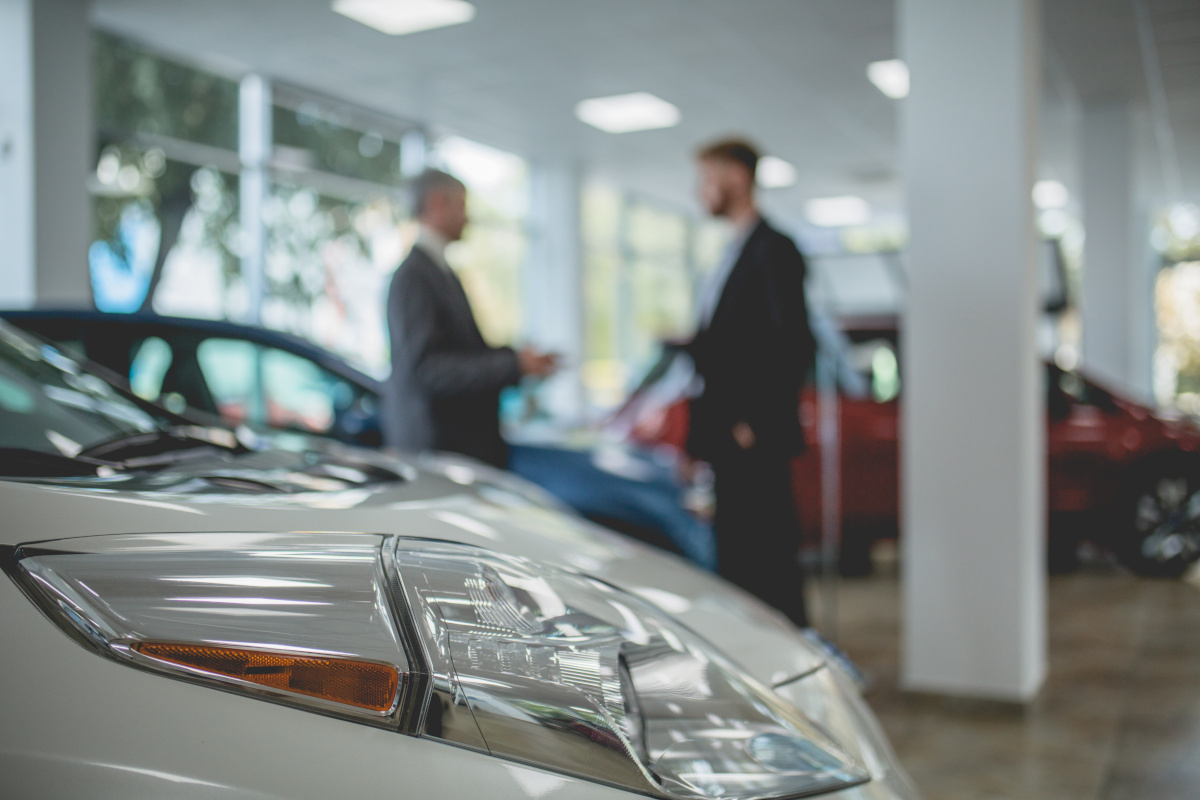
{"points": [[1159, 533]]}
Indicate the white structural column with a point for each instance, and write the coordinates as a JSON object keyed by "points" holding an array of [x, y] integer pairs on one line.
{"points": [[46, 151], [553, 283], [973, 458], [255, 143], [1114, 275]]}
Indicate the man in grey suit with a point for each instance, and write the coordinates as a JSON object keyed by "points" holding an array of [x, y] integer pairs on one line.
{"points": [[444, 392]]}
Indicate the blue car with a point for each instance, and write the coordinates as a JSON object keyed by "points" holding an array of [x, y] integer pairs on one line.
{"points": [[272, 380]]}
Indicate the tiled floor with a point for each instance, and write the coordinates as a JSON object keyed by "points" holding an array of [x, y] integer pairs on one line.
{"points": [[1118, 717]]}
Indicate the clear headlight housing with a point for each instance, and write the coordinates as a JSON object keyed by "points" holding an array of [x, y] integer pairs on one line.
{"points": [[447, 642]]}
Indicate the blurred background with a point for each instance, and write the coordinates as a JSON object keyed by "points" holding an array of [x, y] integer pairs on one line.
{"points": [[347, 113]]}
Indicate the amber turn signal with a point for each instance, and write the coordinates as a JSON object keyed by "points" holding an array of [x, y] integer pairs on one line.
{"points": [[363, 684]]}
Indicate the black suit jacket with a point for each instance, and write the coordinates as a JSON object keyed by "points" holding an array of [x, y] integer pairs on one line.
{"points": [[754, 353], [444, 391]]}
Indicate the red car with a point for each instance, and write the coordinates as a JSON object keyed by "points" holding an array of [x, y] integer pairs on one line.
{"points": [[1119, 473]]}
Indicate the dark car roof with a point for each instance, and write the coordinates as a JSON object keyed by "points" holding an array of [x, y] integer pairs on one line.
{"points": [[876, 323], [55, 323]]}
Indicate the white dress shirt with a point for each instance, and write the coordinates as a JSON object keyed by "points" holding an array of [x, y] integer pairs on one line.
{"points": [[434, 245]]}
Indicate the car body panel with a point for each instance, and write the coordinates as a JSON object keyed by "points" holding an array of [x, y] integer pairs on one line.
{"points": [[135, 734], [1095, 439], [77, 725]]}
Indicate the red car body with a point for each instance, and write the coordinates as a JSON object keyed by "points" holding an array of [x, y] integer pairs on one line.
{"points": [[1106, 454]]}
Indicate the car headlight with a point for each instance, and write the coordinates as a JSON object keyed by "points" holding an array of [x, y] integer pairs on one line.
{"points": [[443, 641]]}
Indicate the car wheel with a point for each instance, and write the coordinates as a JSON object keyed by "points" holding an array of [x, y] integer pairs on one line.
{"points": [[1163, 539]]}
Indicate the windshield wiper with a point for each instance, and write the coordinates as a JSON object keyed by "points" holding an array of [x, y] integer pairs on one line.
{"points": [[21, 462], [163, 446]]}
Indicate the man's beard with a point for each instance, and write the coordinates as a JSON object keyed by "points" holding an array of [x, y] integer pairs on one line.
{"points": [[719, 207]]}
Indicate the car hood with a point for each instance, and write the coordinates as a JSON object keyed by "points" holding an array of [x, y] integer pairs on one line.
{"points": [[435, 497]]}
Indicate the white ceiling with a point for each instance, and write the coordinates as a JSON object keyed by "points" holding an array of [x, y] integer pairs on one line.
{"points": [[790, 74]]}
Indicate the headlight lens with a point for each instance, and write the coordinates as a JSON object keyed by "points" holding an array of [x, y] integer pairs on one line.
{"points": [[443, 641], [568, 672]]}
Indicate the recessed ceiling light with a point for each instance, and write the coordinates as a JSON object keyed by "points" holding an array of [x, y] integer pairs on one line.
{"points": [[625, 113], [398, 17], [775, 173], [1050, 194], [889, 77], [837, 212]]}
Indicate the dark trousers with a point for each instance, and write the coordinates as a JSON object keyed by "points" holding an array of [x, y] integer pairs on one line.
{"points": [[758, 534]]}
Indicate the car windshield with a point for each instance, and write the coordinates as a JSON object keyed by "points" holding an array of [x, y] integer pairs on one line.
{"points": [[50, 404]]}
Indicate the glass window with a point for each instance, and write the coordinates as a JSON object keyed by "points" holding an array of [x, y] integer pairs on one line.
{"points": [[321, 137], [299, 394], [48, 404], [640, 281], [143, 201], [1177, 357], [662, 283], [337, 225], [140, 93], [149, 366], [231, 370], [268, 386], [327, 266], [202, 274], [165, 181], [604, 371], [710, 239]]}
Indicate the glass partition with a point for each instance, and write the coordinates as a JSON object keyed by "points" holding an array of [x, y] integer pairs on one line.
{"points": [[642, 264]]}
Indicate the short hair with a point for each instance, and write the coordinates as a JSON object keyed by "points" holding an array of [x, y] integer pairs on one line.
{"points": [[735, 151], [430, 182]]}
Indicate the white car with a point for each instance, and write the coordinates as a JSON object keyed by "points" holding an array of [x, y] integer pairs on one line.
{"points": [[185, 614]]}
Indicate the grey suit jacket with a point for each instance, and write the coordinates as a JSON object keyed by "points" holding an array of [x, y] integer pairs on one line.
{"points": [[444, 391]]}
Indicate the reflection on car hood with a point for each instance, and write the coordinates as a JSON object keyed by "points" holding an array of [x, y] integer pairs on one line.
{"points": [[345, 489]]}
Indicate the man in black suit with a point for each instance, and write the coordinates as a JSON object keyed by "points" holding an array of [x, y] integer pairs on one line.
{"points": [[444, 391], [752, 350]]}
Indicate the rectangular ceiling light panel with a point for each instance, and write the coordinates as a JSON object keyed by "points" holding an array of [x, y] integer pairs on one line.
{"points": [[398, 17], [626, 113]]}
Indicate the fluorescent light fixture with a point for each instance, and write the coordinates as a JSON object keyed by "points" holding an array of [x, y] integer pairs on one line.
{"points": [[1050, 194], [625, 113], [398, 17], [837, 212], [889, 77], [775, 173]]}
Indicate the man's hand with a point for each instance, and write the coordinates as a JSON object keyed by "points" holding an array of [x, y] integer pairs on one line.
{"points": [[537, 364], [743, 434]]}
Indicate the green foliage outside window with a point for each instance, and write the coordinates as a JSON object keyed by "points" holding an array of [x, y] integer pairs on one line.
{"points": [[141, 93]]}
